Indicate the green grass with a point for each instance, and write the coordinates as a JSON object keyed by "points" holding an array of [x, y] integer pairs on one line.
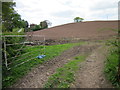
{"points": [[13, 33], [111, 66], [17, 72], [17, 29], [65, 75]]}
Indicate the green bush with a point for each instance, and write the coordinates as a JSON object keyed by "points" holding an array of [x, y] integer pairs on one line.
{"points": [[37, 27], [112, 64], [11, 50], [12, 40]]}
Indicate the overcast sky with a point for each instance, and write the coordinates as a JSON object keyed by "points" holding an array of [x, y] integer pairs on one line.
{"points": [[64, 11]]}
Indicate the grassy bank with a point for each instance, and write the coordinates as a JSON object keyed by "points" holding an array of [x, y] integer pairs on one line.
{"points": [[112, 63], [64, 76], [17, 72]]}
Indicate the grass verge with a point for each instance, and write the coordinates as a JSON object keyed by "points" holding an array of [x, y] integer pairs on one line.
{"points": [[64, 76], [15, 73], [111, 66]]}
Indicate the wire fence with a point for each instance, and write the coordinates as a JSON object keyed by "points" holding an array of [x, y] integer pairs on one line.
{"points": [[19, 49]]}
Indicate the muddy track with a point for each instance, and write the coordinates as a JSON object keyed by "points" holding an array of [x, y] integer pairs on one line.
{"points": [[91, 74], [38, 76]]}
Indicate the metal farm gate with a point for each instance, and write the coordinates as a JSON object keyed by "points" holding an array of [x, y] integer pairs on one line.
{"points": [[20, 49]]}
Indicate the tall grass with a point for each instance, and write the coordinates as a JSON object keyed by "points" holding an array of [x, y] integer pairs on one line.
{"points": [[112, 64]]}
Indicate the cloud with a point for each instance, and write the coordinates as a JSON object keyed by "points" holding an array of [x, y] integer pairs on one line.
{"points": [[119, 10], [103, 5], [64, 14], [64, 11]]}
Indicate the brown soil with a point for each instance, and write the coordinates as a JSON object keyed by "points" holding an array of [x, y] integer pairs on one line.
{"points": [[81, 30], [91, 71], [38, 76]]}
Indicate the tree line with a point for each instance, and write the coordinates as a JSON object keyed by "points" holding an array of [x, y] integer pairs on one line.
{"points": [[11, 20], [43, 25]]}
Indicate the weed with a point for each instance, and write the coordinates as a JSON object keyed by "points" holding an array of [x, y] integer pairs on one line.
{"points": [[111, 67], [64, 76]]}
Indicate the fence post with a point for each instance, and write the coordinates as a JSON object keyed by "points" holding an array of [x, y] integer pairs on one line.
{"points": [[5, 55]]}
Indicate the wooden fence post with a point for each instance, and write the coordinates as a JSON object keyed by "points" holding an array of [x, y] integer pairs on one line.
{"points": [[5, 55]]}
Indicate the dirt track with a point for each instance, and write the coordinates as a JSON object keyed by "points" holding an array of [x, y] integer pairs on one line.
{"points": [[91, 74], [38, 76]]}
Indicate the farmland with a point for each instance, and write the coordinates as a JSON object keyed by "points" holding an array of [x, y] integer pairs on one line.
{"points": [[82, 30], [75, 58]]}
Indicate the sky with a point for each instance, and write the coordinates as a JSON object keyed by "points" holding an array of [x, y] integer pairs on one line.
{"points": [[64, 11]]}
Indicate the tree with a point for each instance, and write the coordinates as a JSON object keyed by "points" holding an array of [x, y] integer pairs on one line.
{"points": [[48, 22], [32, 26], [78, 19], [7, 13], [25, 25], [10, 18], [35, 27], [44, 24]]}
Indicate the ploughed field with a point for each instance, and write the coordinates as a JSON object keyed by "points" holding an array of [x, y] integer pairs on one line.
{"points": [[83, 30]]}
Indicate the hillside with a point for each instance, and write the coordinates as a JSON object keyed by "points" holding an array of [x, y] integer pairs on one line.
{"points": [[82, 30]]}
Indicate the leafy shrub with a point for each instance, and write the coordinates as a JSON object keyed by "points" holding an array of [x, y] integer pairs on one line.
{"points": [[10, 51], [37, 27], [112, 64]]}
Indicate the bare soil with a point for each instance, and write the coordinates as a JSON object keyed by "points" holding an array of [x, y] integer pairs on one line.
{"points": [[91, 74], [82, 30], [38, 76]]}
